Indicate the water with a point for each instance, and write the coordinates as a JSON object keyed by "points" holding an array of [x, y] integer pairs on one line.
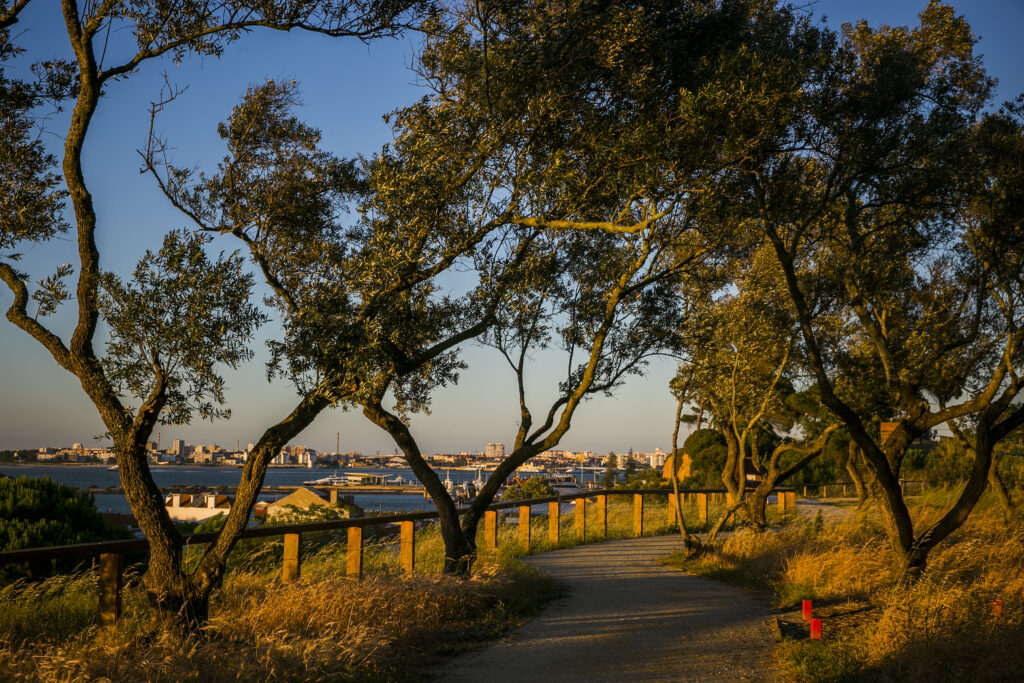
{"points": [[170, 476]]}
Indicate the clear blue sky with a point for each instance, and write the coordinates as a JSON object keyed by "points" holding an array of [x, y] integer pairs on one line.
{"points": [[347, 88]]}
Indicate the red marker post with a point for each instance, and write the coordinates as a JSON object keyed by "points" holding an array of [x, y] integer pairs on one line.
{"points": [[815, 629], [807, 610]]}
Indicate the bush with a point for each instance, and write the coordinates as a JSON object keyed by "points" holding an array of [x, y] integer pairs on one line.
{"points": [[532, 487], [41, 512]]}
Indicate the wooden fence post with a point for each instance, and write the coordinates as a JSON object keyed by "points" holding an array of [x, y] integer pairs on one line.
{"points": [[524, 526], [491, 529], [638, 514], [407, 546], [553, 522], [110, 584], [580, 513], [291, 565], [354, 553], [781, 495], [602, 516], [702, 507], [791, 501]]}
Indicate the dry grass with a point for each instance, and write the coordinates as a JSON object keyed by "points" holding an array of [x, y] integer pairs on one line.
{"points": [[323, 627], [944, 627], [318, 629]]}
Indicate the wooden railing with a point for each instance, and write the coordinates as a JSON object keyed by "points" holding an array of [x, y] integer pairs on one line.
{"points": [[111, 553], [841, 489]]}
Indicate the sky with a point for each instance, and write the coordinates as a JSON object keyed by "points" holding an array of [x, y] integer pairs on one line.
{"points": [[347, 87]]}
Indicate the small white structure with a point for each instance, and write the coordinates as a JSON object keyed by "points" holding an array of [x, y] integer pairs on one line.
{"points": [[184, 507]]}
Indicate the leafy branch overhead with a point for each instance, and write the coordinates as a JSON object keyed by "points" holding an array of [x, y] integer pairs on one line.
{"points": [[179, 316]]}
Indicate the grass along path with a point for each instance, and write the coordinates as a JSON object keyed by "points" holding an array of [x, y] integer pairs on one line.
{"points": [[625, 617]]}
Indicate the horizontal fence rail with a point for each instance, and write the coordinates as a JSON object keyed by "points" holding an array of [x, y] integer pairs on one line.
{"points": [[111, 553], [843, 489]]}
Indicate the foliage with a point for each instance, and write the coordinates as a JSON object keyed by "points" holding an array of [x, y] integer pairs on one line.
{"points": [[167, 388], [178, 317], [948, 463], [31, 200], [531, 487], [707, 452], [41, 512], [649, 478]]}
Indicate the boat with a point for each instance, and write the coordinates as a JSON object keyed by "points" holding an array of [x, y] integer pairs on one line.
{"points": [[356, 479], [564, 484], [333, 480], [112, 468]]}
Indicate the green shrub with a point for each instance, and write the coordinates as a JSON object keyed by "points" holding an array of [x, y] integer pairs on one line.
{"points": [[41, 512], [531, 487]]}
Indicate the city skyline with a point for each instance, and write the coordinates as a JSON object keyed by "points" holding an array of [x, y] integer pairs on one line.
{"points": [[41, 403]]}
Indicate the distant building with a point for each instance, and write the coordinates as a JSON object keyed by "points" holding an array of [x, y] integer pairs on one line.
{"points": [[495, 451], [195, 508], [657, 458]]}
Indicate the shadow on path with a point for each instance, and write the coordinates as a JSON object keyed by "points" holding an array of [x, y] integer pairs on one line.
{"points": [[628, 618]]}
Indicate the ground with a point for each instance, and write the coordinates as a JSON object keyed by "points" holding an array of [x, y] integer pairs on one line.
{"points": [[625, 618]]}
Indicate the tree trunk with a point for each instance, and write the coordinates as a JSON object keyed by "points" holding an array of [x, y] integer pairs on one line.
{"points": [[459, 542], [459, 551], [858, 480], [677, 457], [995, 482]]}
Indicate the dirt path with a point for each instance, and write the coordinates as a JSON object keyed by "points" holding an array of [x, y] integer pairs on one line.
{"points": [[628, 619], [830, 512]]}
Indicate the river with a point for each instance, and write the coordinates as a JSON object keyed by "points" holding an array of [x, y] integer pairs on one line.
{"points": [[170, 476]]}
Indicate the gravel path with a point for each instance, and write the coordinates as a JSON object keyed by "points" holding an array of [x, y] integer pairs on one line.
{"points": [[628, 619]]}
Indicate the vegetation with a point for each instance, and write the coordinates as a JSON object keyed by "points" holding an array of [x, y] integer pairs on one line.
{"points": [[387, 627], [41, 512], [824, 227], [531, 487], [145, 379], [958, 622]]}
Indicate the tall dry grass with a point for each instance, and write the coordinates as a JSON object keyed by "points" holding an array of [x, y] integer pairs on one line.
{"points": [[963, 620], [320, 628], [323, 627]]}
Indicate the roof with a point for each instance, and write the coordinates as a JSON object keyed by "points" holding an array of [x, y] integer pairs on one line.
{"points": [[302, 498]]}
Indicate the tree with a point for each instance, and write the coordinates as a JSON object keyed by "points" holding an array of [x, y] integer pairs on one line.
{"points": [[32, 213], [884, 156], [636, 117], [41, 512], [611, 472], [531, 487], [361, 312]]}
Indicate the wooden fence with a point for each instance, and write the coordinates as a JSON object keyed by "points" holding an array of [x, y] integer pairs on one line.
{"points": [[111, 553], [845, 490]]}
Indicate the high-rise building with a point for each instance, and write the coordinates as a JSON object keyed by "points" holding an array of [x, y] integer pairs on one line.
{"points": [[495, 451]]}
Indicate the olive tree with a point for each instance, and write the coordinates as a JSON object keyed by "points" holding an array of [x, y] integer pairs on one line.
{"points": [[33, 212], [868, 201]]}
